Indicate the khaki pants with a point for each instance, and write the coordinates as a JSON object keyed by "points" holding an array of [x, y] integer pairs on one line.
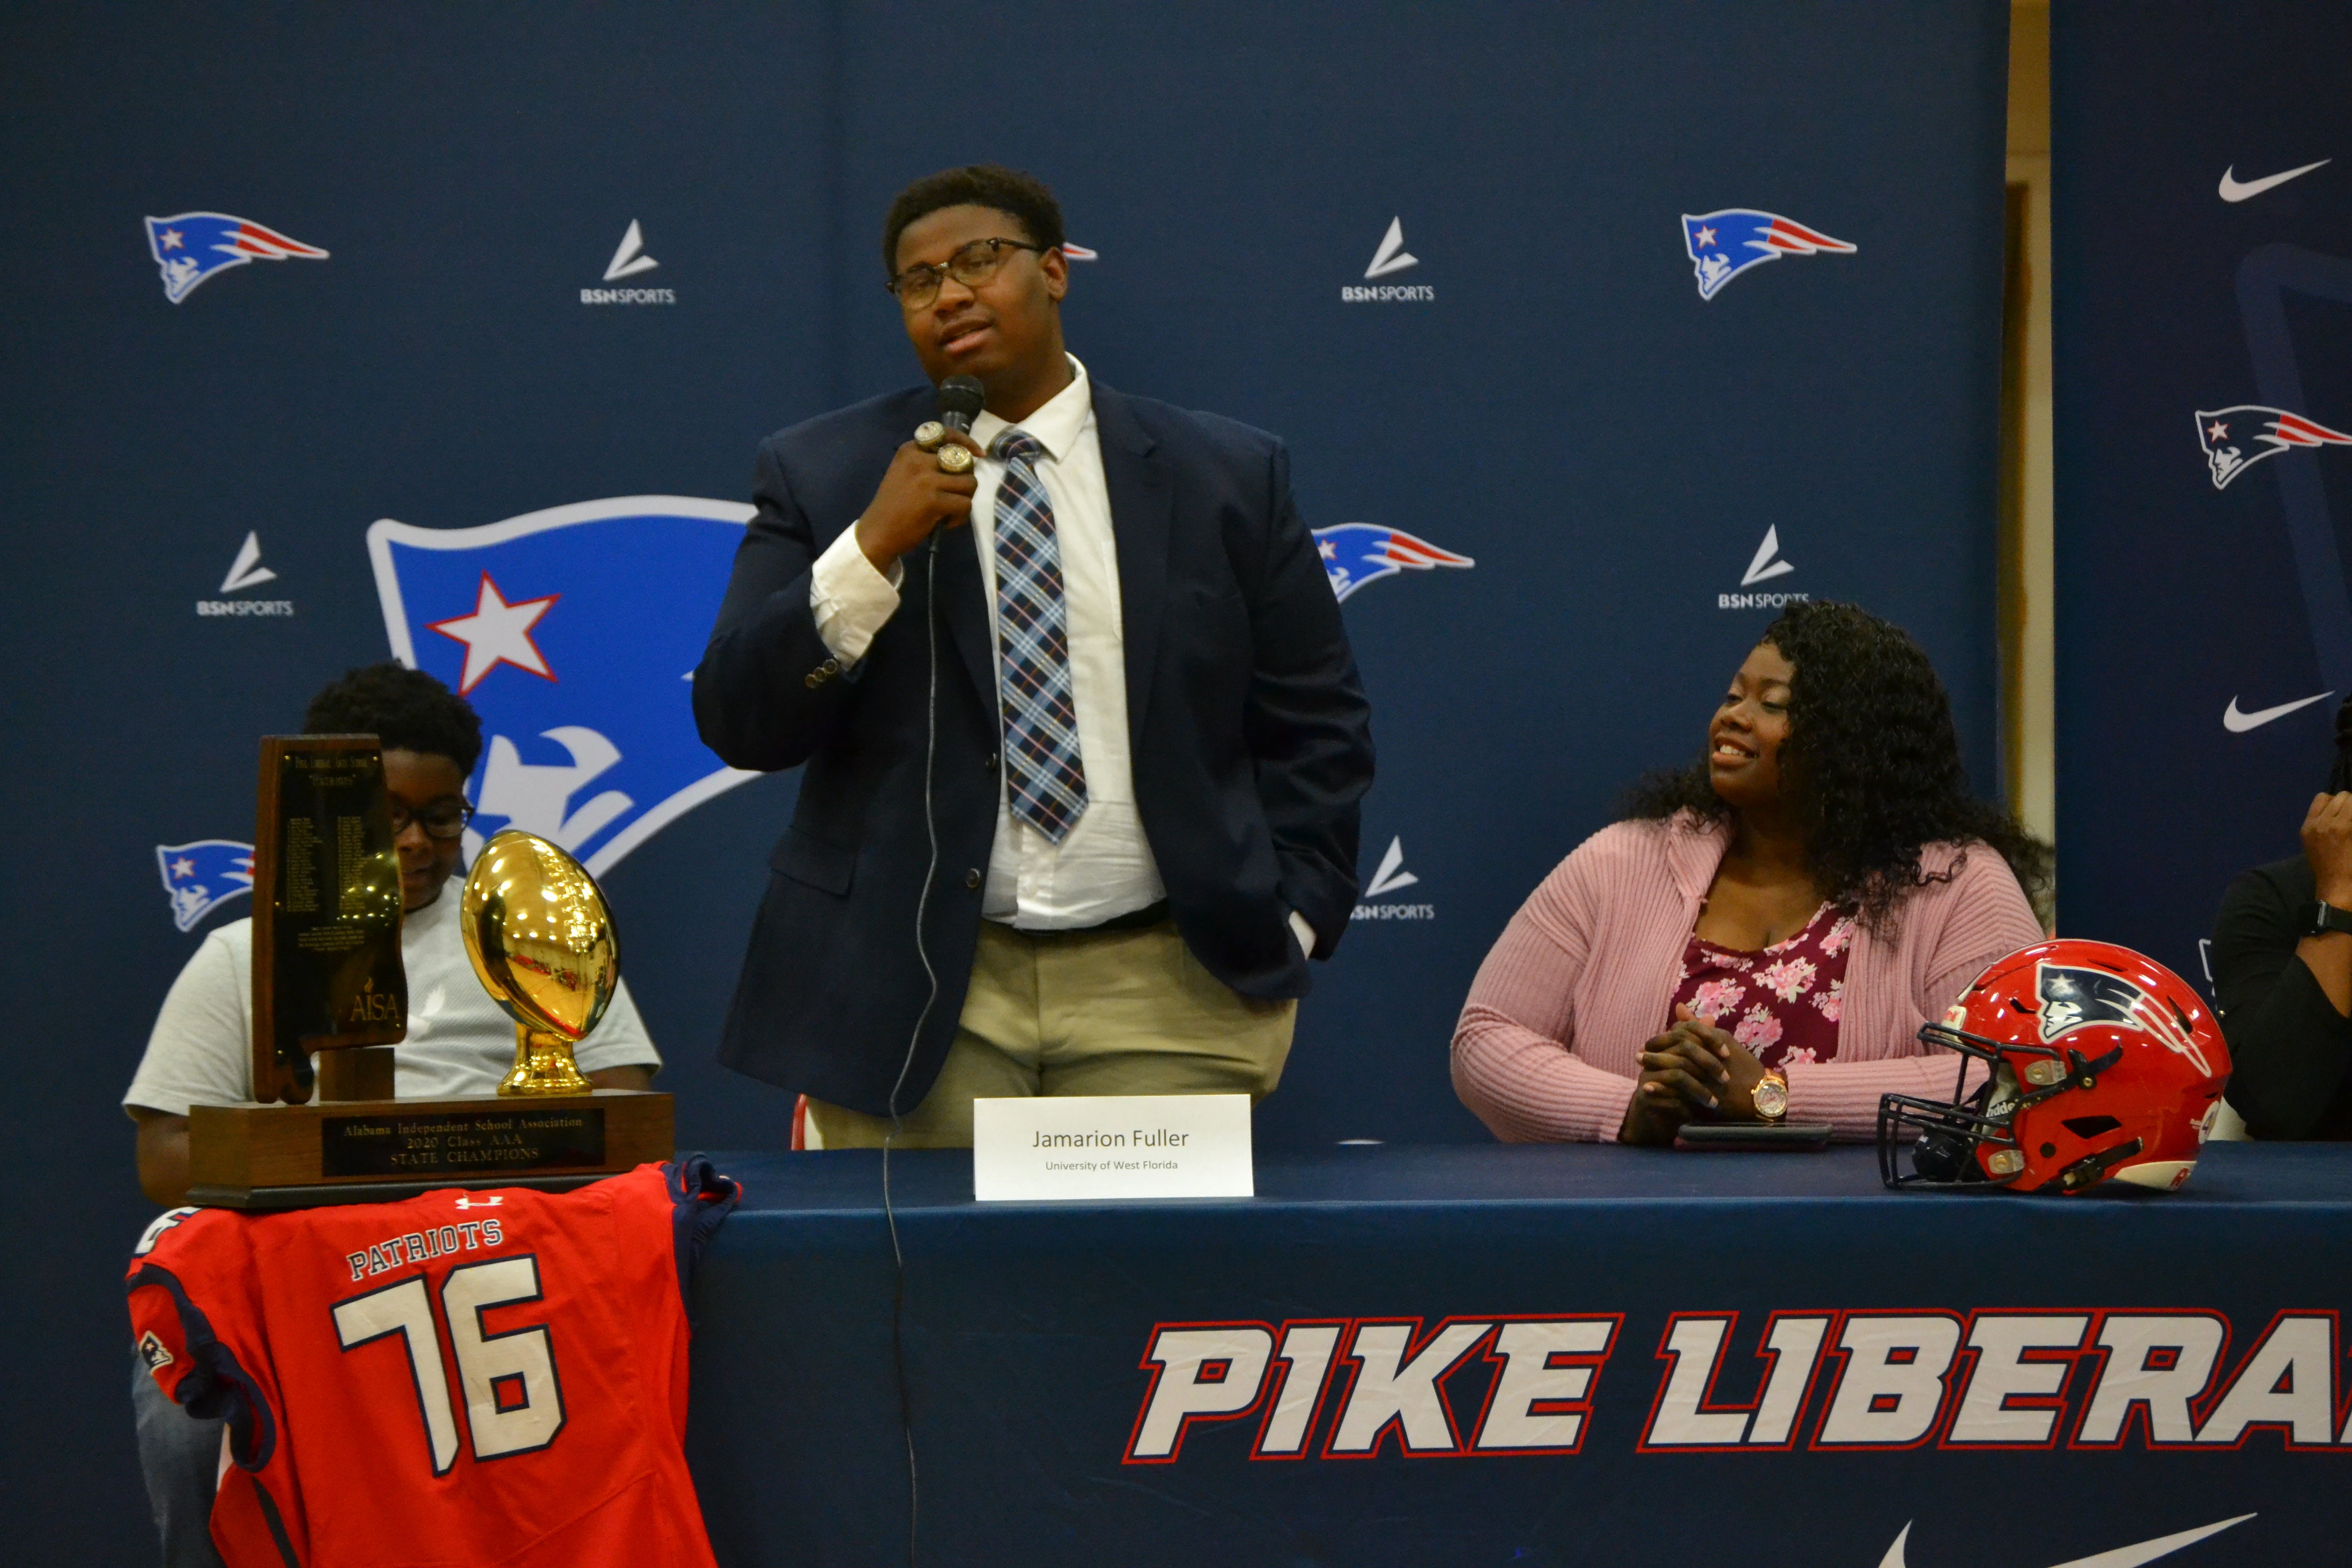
{"points": [[1124, 1011]]}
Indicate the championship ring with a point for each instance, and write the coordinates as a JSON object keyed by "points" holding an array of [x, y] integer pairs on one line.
{"points": [[955, 460], [929, 433]]}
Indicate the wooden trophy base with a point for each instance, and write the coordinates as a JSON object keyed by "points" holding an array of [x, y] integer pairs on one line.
{"points": [[254, 1156]]}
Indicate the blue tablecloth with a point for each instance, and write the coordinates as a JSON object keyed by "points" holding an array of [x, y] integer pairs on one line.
{"points": [[1037, 1338]]}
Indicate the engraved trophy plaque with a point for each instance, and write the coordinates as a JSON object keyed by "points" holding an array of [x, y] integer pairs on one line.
{"points": [[327, 975]]}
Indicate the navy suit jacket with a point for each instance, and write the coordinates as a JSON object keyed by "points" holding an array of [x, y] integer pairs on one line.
{"points": [[1248, 731]]}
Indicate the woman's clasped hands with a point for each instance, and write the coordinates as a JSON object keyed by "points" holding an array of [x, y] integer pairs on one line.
{"points": [[1694, 1069]]}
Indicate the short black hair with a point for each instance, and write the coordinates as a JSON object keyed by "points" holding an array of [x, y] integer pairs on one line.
{"points": [[1022, 197], [405, 709]]}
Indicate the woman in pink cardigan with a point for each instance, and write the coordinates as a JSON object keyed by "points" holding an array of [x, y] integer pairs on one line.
{"points": [[1799, 903]]}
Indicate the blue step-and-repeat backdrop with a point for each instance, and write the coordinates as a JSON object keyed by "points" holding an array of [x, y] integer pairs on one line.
{"points": [[342, 332], [2203, 182]]}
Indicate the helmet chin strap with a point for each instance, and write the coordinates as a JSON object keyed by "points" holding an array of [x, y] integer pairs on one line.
{"points": [[2091, 1167], [2080, 1074]]}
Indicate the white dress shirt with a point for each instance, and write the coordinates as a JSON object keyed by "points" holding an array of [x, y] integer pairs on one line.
{"points": [[1103, 867]]}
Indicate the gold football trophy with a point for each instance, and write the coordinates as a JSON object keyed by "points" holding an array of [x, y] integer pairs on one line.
{"points": [[541, 941], [328, 980]]}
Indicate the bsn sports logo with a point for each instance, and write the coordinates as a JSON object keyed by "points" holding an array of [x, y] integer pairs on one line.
{"points": [[2073, 997], [574, 633], [628, 260], [199, 878], [1355, 553], [246, 572], [192, 246], [2225, 434], [1390, 259], [1391, 877], [1764, 565], [1723, 245]]}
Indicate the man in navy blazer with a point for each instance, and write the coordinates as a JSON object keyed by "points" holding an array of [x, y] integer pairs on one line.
{"points": [[1109, 740]]}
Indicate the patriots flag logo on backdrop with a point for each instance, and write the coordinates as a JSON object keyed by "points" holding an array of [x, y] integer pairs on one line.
{"points": [[1723, 245], [1355, 553], [192, 246], [574, 633], [2227, 434], [199, 878]]}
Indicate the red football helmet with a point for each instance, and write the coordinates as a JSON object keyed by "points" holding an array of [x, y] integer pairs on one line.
{"points": [[2105, 1064]]}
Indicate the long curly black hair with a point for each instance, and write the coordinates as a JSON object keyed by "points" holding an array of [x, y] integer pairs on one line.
{"points": [[1873, 761]]}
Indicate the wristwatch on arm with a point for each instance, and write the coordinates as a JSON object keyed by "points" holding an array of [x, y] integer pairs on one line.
{"points": [[1770, 1095], [2326, 918]]}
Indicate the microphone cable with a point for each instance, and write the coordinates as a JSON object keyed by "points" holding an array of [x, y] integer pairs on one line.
{"points": [[922, 951], [960, 400]]}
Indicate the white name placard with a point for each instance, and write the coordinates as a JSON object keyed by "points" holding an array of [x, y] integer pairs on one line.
{"points": [[1089, 1148]]}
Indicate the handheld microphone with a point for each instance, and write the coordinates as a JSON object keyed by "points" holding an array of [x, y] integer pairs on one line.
{"points": [[961, 397]]}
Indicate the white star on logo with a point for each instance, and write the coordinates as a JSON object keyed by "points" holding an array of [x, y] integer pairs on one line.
{"points": [[2216, 430], [1331, 551], [171, 240], [184, 866], [497, 633], [1705, 237]]}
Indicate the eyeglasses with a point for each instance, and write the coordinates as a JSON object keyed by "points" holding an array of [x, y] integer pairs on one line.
{"points": [[441, 819], [973, 266]]}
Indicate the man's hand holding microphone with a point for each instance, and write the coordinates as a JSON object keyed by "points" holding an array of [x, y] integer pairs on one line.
{"points": [[930, 482]]}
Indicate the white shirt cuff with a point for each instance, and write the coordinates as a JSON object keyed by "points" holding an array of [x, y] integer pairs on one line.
{"points": [[852, 601], [1303, 932]]}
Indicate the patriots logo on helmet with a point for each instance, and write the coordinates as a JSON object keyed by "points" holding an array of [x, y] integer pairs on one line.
{"points": [[192, 246], [2228, 433], [2073, 997], [199, 878], [574, 633], [1355, 553], [1723, 245]]}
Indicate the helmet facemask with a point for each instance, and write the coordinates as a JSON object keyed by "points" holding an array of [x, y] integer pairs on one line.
{"points": [[1973, 1139]]}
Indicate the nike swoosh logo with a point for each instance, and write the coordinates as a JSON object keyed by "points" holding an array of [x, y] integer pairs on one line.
{"points": [[2131, 1556], [2238, 724], [2233, 190]]}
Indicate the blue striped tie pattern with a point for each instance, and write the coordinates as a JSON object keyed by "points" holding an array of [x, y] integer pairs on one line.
{"points": [[1044, 780]]}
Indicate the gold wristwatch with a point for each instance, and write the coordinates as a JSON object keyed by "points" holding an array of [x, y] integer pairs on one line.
{"points": [[1771, 1096]]}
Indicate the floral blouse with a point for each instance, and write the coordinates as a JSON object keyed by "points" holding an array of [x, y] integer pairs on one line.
{"points": [[1782, 1004]]}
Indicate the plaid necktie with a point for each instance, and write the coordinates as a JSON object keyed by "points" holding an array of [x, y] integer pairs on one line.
{"points": [[1044, 777]]}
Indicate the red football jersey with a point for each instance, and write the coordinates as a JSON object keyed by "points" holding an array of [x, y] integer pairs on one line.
{"points": [[470, 1378]]}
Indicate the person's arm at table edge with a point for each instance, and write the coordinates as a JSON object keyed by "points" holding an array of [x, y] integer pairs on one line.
{"points": [[1513, 1064], [2290, 1044]]}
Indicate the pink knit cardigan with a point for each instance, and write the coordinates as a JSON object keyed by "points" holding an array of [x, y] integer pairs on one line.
{"points": [[1550, 1040]]}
